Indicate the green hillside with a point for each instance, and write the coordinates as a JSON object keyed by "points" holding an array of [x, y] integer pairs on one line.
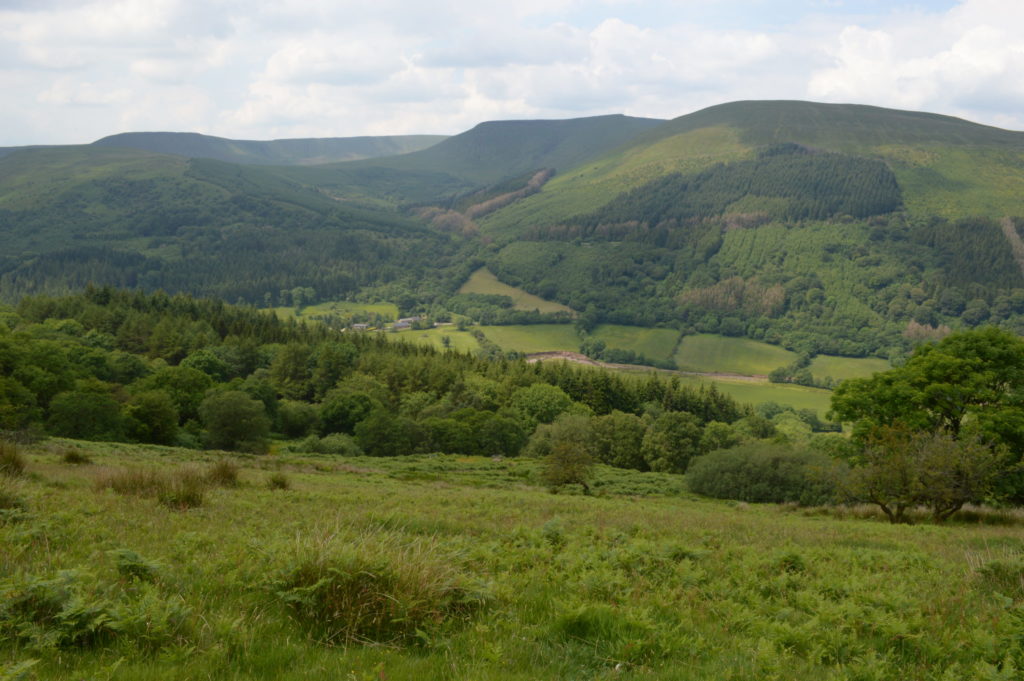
{"points": [[270, 152], [498, 149], [930, 154], [131, 218]]}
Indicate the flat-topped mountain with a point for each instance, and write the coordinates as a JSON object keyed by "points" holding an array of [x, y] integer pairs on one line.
{"points": [[271, 152]]}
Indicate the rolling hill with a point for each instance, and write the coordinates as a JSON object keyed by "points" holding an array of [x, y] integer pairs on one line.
{"points": [[271, 152], [839, 229], [496, 150]]}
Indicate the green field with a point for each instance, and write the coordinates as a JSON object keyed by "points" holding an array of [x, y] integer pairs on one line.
{"points": [[651, 343], [786, 394], [841, 368], [530, 338], [466, 569], [483, 281], [340, 308], [459, 340], [713, 353]]}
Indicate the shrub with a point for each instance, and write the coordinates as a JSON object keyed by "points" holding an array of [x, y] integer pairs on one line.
{"points": [[224, 473], [12, 463], [385, 591], [278, 481], [75, 456], [233, 420], [13, 506], [760, 472]]}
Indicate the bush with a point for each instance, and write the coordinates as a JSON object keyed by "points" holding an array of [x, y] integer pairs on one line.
{"points": [[75, 457], [235, 421], [184, 490], [335, 443], [765, 473], [385, 591], [278, 481], [12, 463]]}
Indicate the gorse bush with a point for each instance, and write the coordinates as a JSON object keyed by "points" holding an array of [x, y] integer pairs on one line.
{"points": [[380, 589], [768, 473], [12, 463]]}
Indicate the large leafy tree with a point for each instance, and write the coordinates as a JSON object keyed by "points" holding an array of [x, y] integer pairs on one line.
{"points": [[970, 383]]}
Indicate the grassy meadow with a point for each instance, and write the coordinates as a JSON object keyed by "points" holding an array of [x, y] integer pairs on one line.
{"points": [[461, 341], [483, 281], [841, 368], [291, 566], [338, 308], [714, 353], [529, 338], [651, 343]]}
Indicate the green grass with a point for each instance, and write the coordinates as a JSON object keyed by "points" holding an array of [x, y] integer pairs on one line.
{"points": [[713, 353], [339, 308], [504, 580], [533, 337], [841, 368], [651, 343], [484, 281], [796, 396], [459, 340]]}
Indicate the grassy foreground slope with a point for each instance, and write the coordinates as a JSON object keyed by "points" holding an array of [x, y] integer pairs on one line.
{"points": [[477, 573]]}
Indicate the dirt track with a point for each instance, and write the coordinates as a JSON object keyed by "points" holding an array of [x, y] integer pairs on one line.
{"points": [[583, 359]]}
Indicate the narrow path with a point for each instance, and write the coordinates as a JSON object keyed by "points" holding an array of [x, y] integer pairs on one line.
{"points": [[1016, 244], [583, 359]]}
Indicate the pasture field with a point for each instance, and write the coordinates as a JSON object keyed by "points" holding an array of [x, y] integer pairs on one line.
{"points": [[339, 308], [461, 341], [459, 569], [651, 343], [786, 394], [714, 353], [484, 281], [529, 338], [841, 368]]}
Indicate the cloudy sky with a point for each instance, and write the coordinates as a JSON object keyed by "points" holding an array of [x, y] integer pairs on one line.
{"points": [[72, 71]]}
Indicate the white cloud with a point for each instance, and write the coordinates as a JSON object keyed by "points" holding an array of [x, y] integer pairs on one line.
{"points": [[74, 70]]}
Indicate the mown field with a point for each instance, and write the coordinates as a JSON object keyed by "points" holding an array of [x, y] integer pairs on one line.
{"points": [[451, 568], [841, 368], [339, 308], [484, 281], [651, 343], [713, 353], [457, 340], [529, 338], [786, 394]]}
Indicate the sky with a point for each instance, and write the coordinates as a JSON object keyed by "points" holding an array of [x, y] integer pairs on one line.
{"points": [[72, 71]]}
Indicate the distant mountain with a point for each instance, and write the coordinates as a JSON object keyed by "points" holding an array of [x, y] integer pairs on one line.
{"points": [[497, 150], [831, 228], [934, 157], [273, 152]]}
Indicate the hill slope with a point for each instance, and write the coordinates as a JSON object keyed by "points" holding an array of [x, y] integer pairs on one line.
{"points": [[271, 152], [946, 166], [134, 218], [495, 150]]}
